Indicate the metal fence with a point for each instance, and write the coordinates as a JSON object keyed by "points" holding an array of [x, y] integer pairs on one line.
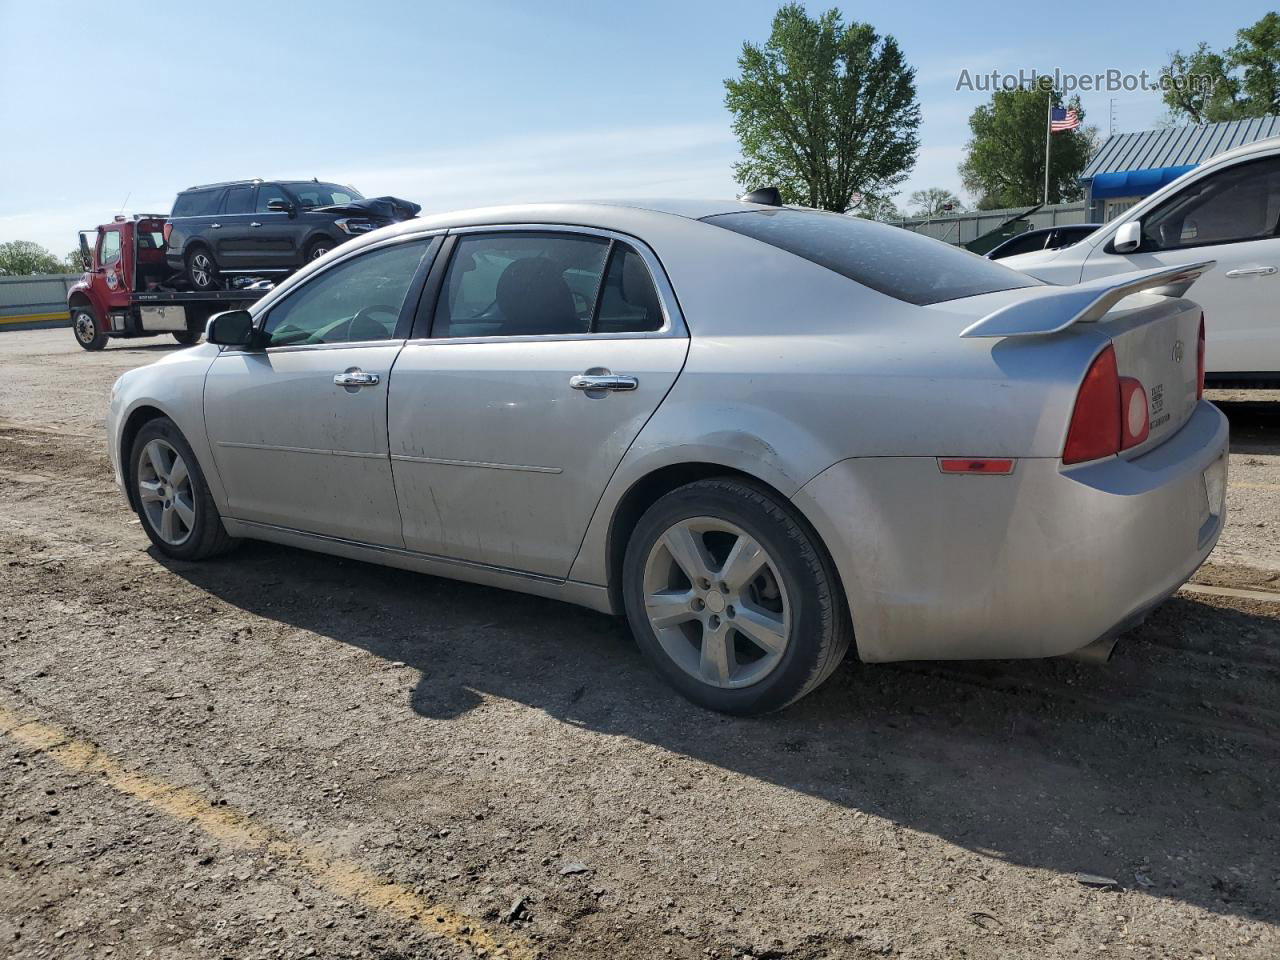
{"points": [[39, 300], [963, 228]]}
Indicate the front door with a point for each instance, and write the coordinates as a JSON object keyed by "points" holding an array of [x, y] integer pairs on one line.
{"points": [[507, 423], [299, 428], [276, 234], [233, 241], [1230, 216], [114, 266]]}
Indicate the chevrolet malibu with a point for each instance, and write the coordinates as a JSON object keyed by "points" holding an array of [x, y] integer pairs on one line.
{"points": [[763, 434]]}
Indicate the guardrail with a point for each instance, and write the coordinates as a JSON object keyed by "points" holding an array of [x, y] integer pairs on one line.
{"points": [[39, 300]]}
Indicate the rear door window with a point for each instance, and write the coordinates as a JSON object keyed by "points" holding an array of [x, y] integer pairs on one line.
{"points": [[521, 284], [890, 260], [239, 200]]}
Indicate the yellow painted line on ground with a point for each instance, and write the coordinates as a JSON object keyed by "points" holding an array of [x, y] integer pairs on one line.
{"points": [[37, 317], [227, 825], [1246, 485]]}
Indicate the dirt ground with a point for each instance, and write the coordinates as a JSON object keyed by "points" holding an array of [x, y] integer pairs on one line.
{"points": [[280, 754]]}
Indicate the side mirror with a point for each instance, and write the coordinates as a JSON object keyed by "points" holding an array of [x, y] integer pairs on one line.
{"points": [[232, 328], [280, 206], [1128, 237]]}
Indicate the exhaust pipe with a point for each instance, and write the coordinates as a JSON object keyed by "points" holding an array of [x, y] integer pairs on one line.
{"points": [[1098, 652]]}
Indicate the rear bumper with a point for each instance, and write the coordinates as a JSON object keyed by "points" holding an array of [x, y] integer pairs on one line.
{"points": [[1036, 564]]}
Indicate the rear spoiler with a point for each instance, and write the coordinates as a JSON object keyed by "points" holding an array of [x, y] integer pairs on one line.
{"points": [[1060, 307]]}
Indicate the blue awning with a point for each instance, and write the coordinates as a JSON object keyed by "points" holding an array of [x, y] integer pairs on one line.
{"points": [[1135, 183]]}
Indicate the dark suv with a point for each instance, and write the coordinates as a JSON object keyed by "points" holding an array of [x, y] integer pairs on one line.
{"points": [[256, 227]]}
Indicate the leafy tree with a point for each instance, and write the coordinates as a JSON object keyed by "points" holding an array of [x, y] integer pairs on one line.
{"points": [[20, 258], [1242, 81], [1004, 165], [880, 208], [934, 202], [823, 109]]}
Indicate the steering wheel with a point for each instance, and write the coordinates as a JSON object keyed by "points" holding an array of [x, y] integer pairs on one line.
{"points": [[359, 327]]}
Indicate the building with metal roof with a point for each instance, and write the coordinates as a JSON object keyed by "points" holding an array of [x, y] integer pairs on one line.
{"points": [[1130, 166]]}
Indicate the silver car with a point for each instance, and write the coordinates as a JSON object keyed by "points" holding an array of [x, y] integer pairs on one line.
{"points": [[761, 433]]}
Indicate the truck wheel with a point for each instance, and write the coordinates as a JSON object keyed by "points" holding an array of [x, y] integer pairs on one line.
{"points": [[87, 329], [187, 337], [202, 269], [319, 248]]}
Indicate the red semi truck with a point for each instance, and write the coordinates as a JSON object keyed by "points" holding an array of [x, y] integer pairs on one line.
{"points": [[124, 291]]}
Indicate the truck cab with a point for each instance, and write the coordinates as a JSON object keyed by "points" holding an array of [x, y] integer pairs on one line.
{"points": [[124, 290]]}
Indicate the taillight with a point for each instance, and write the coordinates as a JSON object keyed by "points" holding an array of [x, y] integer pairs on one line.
{"points": [[1200, 361], [1136, 419], [1095, 422], [168, 229]]}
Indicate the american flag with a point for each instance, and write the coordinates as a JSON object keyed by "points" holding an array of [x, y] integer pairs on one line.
{"points": [[1062, 119]]}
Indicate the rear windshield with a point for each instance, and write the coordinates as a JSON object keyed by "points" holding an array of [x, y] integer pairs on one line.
{"points": [[891, 260]]}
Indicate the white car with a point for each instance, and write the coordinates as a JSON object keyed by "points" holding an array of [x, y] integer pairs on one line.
{"points": [[760, 433], [1226, 210]]}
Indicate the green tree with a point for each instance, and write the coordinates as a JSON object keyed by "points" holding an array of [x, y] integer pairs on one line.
{"points": [[1243, 81], [823, 109], [20, 258], [1004, 162], [874, 207], [934, 202]]}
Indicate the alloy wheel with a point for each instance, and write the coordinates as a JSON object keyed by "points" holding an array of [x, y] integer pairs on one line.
{"points": [[202, 270], [716, 602], [164, 490]]}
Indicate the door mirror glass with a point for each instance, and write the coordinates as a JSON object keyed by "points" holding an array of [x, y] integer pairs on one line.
{"points": [[1129, 237], [233, 328]]}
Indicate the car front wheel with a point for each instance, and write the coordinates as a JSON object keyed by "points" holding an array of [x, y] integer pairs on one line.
{"points": [[171, 495], [732, 597]]}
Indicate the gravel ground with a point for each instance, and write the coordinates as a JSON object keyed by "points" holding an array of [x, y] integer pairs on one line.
{"points": [[280, 754]]}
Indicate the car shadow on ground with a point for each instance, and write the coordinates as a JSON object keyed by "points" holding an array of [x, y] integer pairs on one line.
{"points": [[1158, 770], [1255, 425]]}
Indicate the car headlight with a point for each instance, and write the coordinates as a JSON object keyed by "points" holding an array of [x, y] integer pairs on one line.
{"points": [[353, 225]]}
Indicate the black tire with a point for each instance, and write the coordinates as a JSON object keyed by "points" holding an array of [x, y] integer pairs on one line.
{"points": [[202, 268], [87, 328], [318, 248], [820, 632], [187, 337], [207, 537]]}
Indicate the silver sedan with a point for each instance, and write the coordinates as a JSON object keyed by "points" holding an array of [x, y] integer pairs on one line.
{"points": [[763, 434]]}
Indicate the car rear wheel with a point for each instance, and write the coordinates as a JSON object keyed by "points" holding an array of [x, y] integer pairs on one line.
{"points": [[84, 324], [171, 495], [202, 269], [732, 597]]}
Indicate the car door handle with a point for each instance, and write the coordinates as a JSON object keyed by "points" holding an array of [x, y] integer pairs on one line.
{"points": [[215, 226], [355, 378], [255, 224], [602, 381], [1251, 272]]}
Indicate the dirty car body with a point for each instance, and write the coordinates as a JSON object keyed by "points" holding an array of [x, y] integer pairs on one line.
{"points": [[813, 426]]}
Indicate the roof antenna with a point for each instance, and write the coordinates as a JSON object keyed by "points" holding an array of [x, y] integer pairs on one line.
{"points": [[767, 196], [125, 204]]}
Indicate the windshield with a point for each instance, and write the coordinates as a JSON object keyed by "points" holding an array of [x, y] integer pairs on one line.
{"points": [[891, 260], [322, 194]]}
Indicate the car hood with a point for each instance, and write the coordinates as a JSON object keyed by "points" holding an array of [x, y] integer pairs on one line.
{"points": [[390, 209]]}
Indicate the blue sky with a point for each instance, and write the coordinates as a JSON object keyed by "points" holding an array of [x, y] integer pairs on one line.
{"points": [[458, 104]]}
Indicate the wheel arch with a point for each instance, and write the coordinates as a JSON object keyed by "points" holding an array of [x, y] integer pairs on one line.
{"points": [[78, 298], [138, 418], [648, 489]]}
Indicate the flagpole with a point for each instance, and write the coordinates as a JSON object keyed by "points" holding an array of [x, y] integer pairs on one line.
{"points": [[1048, 138]]}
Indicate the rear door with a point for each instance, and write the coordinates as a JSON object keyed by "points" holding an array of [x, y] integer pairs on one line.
{"points": [[1231, 216], [233, 239], [549, 350]]}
